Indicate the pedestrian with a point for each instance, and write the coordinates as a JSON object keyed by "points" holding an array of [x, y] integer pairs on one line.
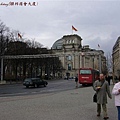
{"points": [[116, 92], [76, 80], [119, 78], [108, 78], [102, 89]]}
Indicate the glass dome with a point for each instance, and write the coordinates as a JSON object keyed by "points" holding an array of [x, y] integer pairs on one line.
{"points": [[58, 44]]}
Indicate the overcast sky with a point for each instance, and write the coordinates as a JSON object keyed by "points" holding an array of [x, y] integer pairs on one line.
{"points": [[97, 21]]}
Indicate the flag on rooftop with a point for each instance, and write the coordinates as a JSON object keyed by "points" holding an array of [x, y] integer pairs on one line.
{"points": [[73, 28], [19, 35], [98, 45]]}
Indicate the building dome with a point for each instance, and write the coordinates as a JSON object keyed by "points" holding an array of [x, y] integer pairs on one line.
{"points": [[58, 44], [67, 40]]}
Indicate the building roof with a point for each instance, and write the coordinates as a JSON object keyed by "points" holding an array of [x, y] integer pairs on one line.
{"points": [[116, 43]]}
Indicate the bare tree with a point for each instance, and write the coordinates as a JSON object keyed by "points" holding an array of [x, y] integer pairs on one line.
{"points": [[33, 44], [4, 38]]}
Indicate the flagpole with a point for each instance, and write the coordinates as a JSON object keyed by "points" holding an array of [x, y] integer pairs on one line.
{"points": [[98, 46], [72, 31], [100, 65]]}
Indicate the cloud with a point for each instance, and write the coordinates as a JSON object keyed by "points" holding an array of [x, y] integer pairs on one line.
{"points": [[97, 21]]}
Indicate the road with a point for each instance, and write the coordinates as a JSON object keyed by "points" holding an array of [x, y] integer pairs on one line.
{"points": [[60, 100], [19, 89]]}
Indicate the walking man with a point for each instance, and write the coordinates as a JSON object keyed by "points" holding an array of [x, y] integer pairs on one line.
{"points": [[102, 89], [76, 80], [108, 78]]}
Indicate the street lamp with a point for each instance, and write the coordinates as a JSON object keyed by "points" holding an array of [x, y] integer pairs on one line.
{"points": [[100, 62], [93, 60]]}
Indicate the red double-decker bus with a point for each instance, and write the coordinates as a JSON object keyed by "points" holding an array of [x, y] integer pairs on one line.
{"points": [[87, 76]]}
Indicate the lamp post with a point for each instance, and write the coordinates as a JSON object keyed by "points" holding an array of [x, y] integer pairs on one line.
{"points": [[1, 69], [100, 62], [93, 60]]}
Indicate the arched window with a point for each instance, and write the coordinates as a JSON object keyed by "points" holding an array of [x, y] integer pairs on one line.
{"points": [[73, 41], [67, 41], [69, 66]]}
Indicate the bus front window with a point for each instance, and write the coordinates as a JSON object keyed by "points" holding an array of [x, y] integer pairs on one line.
{"points": [[85, 71]]}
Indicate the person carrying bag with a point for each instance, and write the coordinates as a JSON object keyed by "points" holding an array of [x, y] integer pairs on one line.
{"points": [[102, 88], [95, 95]]}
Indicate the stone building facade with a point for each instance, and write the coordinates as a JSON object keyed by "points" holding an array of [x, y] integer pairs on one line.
{"points": [[116, 58], [74, 55]]}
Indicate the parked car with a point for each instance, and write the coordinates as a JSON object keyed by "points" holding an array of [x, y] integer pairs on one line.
{"points": [[35, 82]]}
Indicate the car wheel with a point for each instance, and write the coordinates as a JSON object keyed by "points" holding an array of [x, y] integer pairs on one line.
{"points": [[44, 85], [35, 85]]}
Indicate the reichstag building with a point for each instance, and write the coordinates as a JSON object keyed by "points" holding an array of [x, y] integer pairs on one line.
{"points": [[74, 55]]}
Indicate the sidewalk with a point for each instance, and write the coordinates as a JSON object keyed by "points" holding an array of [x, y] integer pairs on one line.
{"points": [[10, 82], [77, 105]]}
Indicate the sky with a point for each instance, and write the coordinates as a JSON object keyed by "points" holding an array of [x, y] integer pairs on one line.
{"points": [[97, 21]]}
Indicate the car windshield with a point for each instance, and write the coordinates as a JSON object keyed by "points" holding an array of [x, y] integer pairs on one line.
{"points": [[31, 79], [27, 79]]}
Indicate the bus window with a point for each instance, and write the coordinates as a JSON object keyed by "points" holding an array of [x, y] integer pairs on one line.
{"points": [[85, 71]]}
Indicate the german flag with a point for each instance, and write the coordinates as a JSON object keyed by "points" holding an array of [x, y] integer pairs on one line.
{"points": [[98, 45], [19, 35], [73, 28]]}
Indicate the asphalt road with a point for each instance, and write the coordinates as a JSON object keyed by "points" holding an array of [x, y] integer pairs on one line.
{"points": [[60, 100], [19, 89]]}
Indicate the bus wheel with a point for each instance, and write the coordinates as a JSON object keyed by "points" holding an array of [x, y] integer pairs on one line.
{"points": [[83, 85]]}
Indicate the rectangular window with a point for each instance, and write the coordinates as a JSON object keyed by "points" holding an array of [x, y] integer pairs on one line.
{"points": [[69, 57], [85, 72]]}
